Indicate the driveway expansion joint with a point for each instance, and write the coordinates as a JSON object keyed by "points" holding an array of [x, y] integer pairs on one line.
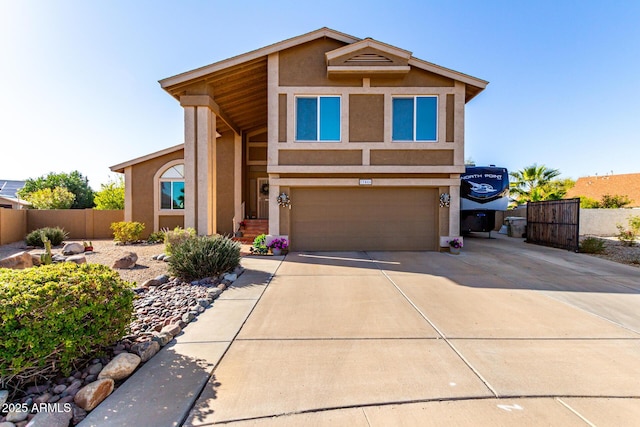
{"points": [[450, 344]]}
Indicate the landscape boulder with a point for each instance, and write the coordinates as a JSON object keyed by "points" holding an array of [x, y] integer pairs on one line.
{"points": [[128, 261], [120, 367], [19, 261], [92, 394], [146, 349], [73, 248], [78, 259]]}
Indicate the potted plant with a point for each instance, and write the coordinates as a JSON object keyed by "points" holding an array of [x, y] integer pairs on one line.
{"points": [[278, 245], [455, 245], [88, 247]]}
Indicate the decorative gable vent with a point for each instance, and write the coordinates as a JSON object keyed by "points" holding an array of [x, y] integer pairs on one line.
{"points": [[368, 57]]}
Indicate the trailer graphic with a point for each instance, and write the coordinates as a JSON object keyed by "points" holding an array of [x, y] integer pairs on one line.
{"points": [[483, 191]]}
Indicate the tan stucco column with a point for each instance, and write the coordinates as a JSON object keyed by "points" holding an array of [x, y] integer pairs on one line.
{"points": [[273, 73], [189, 167], [454, 210], [237, 181], [199, 164]]}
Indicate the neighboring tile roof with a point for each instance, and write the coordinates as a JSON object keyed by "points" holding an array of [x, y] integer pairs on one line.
{"points": [[597, 186], [8, 188]]}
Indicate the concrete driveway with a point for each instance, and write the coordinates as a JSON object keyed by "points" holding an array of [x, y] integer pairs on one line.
{"points": [[506, 333]]}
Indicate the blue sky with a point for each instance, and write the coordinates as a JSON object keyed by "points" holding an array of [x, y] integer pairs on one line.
{"points": [[80, 78]]}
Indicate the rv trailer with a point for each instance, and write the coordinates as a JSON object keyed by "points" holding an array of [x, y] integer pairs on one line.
{"points": [[483, 191]]}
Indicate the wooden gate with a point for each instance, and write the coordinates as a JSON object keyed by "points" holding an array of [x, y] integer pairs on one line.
{"points": [[554, 223]]}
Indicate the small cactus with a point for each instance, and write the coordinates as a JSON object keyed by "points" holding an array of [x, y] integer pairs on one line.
{"points": [[46, 258]]}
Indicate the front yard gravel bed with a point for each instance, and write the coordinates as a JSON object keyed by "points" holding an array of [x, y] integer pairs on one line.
{"points": [[163, 306]]}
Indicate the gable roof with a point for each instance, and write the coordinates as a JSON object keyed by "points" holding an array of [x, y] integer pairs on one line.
{"points": [[595, 187], [258, 57], [121, 166]]}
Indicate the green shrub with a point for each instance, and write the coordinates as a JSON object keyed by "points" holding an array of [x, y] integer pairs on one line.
{"points": [[56, 236], [156, 237], [127, 231], [589, 203], [55, 314], [592, 245], [260, 245], [204, 256], [176, 236], [627, 237]]}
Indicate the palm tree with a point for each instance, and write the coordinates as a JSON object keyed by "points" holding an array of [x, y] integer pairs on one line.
{"points": [[534, 183]]}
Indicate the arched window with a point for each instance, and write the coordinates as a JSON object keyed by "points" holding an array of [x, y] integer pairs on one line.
{"points": [[172, 188]]}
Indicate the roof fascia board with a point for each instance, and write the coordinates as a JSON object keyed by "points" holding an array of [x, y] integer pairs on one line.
{"points": [[446, 72], [120, 167], [265, 51], [353, 47]]}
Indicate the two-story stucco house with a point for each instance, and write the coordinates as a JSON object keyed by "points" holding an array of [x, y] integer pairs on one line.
{"points": [[342, 143]]}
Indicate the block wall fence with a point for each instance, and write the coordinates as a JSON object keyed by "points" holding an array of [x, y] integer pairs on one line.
{"points": [[84, 224]]}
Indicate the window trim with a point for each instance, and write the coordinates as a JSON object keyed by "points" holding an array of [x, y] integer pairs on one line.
{"points": [[415, 117], [318, 118], [157, 212], [171, 181]]}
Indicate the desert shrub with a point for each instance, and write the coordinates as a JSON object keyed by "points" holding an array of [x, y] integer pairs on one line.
{"points": [[204, 256], [627, 237], [127, 231], [260, 245], [592, 245], [156, 237], [55, 314], [176, 236], [56, 236]]}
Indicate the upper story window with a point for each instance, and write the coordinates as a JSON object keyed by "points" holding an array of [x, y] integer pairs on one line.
{"points": [[318, 118], [415, 118], [172, 188]]}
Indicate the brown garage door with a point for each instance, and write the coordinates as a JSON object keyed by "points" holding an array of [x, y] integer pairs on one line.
{"points": [[326, 219]]}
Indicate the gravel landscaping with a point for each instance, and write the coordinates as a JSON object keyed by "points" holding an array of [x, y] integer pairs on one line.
{"points": [[162, 308], [616, 251]]}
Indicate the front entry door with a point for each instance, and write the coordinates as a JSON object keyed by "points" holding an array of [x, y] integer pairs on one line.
{"points": [[263, 198]]}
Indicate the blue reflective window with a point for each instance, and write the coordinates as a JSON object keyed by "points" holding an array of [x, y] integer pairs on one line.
{"points": [[318, 118], [403, 119], [415, 118], [307, 120], [177, 195], [165, 195]]}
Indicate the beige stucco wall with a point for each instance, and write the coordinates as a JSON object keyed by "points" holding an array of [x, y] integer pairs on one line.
{"points": [[13, 225], [79, 223], [142, 188], [415, 77], [305, 65], [602, 222], [320, 157], [412, 157], [170, 222], [366, 118], [224, 186]]}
